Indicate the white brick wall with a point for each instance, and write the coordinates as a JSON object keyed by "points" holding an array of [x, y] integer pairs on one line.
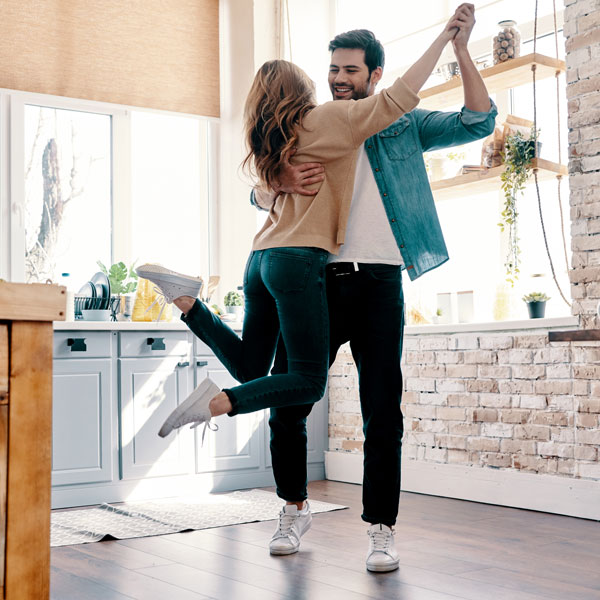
{"points": [[525, 404], [513, 400]]}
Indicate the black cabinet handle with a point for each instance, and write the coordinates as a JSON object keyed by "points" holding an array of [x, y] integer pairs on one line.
{"points": [[156, 343], [183, 363], [201, 363], [77, 344]]}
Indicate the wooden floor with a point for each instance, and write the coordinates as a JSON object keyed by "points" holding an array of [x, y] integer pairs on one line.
{"points": [[448, 549]]}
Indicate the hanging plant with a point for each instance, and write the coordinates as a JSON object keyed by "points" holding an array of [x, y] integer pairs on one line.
{"points": [[517, 155]]}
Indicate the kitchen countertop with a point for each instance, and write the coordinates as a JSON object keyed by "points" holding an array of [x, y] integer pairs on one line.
{"points": [[440, 329], [128, 326]]}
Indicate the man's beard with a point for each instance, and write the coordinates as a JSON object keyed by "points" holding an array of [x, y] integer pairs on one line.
{"points": [[354, 93]]}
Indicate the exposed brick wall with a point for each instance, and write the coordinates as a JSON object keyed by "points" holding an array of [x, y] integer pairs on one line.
{"points": [[509, 400], [582, 42], [512, 400]]}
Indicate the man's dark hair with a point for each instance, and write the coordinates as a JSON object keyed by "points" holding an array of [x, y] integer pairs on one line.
{"points": [[361, 39]]}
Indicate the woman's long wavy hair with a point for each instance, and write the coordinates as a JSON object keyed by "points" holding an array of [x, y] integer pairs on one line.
{"points": [[279, 99]]}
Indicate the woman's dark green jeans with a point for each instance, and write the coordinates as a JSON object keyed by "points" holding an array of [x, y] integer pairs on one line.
{"points": [[284, 290]]}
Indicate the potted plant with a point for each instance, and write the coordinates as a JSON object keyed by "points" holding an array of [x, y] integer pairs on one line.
{"points": [[536, 304], [438, 315], [233, 303], [517, 156], [123, 284]]}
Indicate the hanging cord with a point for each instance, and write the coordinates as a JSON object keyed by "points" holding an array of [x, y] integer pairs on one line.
{"points": [[535, 171], [559, 177]]}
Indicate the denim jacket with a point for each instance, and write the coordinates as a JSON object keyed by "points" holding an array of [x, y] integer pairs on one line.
{"points": [[396, 158]]}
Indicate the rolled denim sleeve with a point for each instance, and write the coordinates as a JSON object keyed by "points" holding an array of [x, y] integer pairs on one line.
{"points": [[472, 117], [261, 199], [444, 129]]}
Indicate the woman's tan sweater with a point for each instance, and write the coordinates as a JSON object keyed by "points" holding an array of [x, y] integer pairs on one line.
{"points": [[331, 135]]}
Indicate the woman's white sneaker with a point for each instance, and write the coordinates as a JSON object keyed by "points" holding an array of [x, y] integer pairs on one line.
{"points": [[194, 409], [293, 523], [382, 555], [171, 284]]}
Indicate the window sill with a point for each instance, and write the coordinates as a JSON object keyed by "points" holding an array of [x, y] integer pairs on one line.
{"points": [[522, 325]]}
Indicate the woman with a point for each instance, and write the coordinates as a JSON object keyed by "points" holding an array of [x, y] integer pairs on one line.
{"points": [[284, 281]]}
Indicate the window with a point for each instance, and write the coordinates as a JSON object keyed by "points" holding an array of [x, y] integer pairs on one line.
{"points": [[169, 191], [68, 204], [93, 182]]}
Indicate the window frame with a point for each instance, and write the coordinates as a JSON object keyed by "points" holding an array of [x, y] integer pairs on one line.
{"points": [[12, 167]]}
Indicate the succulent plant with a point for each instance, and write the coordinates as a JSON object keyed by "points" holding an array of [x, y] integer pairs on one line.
{"points": [[536, 297]]}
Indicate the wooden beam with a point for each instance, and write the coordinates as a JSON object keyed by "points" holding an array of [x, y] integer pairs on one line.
{"points": [[32, 302], [3, 363], [575, 335], [3, 488], [29, 462]]}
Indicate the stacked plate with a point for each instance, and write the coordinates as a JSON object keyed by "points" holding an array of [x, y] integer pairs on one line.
{"points": [[94, 295]]}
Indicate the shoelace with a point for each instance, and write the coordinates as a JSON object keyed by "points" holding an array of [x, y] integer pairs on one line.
{"points": [[381, 540], [160, 299], [207, 425], [286, 522]]}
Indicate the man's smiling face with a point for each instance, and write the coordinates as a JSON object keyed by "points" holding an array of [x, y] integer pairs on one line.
{"points": [[349, 75]]}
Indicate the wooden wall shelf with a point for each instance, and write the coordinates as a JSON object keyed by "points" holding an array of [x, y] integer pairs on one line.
{"points": [[575, 335], [502, 76], [481, 182]]}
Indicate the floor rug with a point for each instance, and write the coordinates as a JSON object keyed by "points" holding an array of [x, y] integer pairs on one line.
{"points": [[170, 515]]}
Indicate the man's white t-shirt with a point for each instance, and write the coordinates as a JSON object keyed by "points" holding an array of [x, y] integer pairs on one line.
{"points": [[369, 236]]}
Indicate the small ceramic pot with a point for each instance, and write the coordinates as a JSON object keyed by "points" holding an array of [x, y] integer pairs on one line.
{"points": [[537, 310]]}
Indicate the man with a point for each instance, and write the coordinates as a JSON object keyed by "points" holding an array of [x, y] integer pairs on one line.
{"points": [[392, 225]]}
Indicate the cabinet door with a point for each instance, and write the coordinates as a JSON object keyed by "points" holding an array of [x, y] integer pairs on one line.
{"points": [[82, 440], [150, 389], [316, 430], [237, 443]]}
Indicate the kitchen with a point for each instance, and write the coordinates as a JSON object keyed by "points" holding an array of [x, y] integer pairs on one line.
{"points": [[98, 463]]}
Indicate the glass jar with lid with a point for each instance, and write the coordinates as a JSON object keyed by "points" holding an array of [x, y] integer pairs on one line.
{"points": [[507, 42]]}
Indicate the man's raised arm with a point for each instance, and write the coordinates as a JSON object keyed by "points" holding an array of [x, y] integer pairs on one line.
{"points": [[475, 92]]}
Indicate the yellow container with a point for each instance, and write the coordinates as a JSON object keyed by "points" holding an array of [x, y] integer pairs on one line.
{"points": [[149, 304]]}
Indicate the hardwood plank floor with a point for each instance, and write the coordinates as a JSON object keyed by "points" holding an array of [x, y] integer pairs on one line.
{"points": [[449, 550]]}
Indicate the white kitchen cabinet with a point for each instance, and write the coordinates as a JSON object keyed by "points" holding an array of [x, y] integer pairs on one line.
{"points": [[237, 442], [150, 389], [82, 396], [115, 384]]}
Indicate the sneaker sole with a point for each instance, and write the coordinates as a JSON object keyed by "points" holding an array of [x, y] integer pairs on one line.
{"points": [[175, 278], [283, 552], [202, 389], [383, 568]]}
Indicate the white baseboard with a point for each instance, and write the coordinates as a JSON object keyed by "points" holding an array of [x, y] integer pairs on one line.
{"points": [[546, 493]]}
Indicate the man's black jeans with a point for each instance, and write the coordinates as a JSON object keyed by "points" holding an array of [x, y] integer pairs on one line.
{"points": [[284, 290], [366, 308]]}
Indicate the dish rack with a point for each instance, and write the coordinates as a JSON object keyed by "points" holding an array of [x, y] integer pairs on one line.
{"points": [[87, 303]]}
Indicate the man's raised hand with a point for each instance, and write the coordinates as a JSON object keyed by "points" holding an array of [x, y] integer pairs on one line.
{"points": [[464, 20]]}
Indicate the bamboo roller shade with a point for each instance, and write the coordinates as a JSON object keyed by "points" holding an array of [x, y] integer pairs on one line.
{"points": [[161, 54]]}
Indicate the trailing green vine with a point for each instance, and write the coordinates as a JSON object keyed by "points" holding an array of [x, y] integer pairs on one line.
{"points": [[518, 152]]}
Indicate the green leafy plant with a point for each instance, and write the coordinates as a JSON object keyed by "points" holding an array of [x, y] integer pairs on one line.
{"points": [[439, 312], [536, 297], [122, 280], [517, 155], [232, 299]]}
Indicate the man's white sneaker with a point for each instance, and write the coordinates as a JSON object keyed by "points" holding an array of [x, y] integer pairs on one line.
{"points": [[382, 555], [171, 284], [293, 523], [194, 409]]}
